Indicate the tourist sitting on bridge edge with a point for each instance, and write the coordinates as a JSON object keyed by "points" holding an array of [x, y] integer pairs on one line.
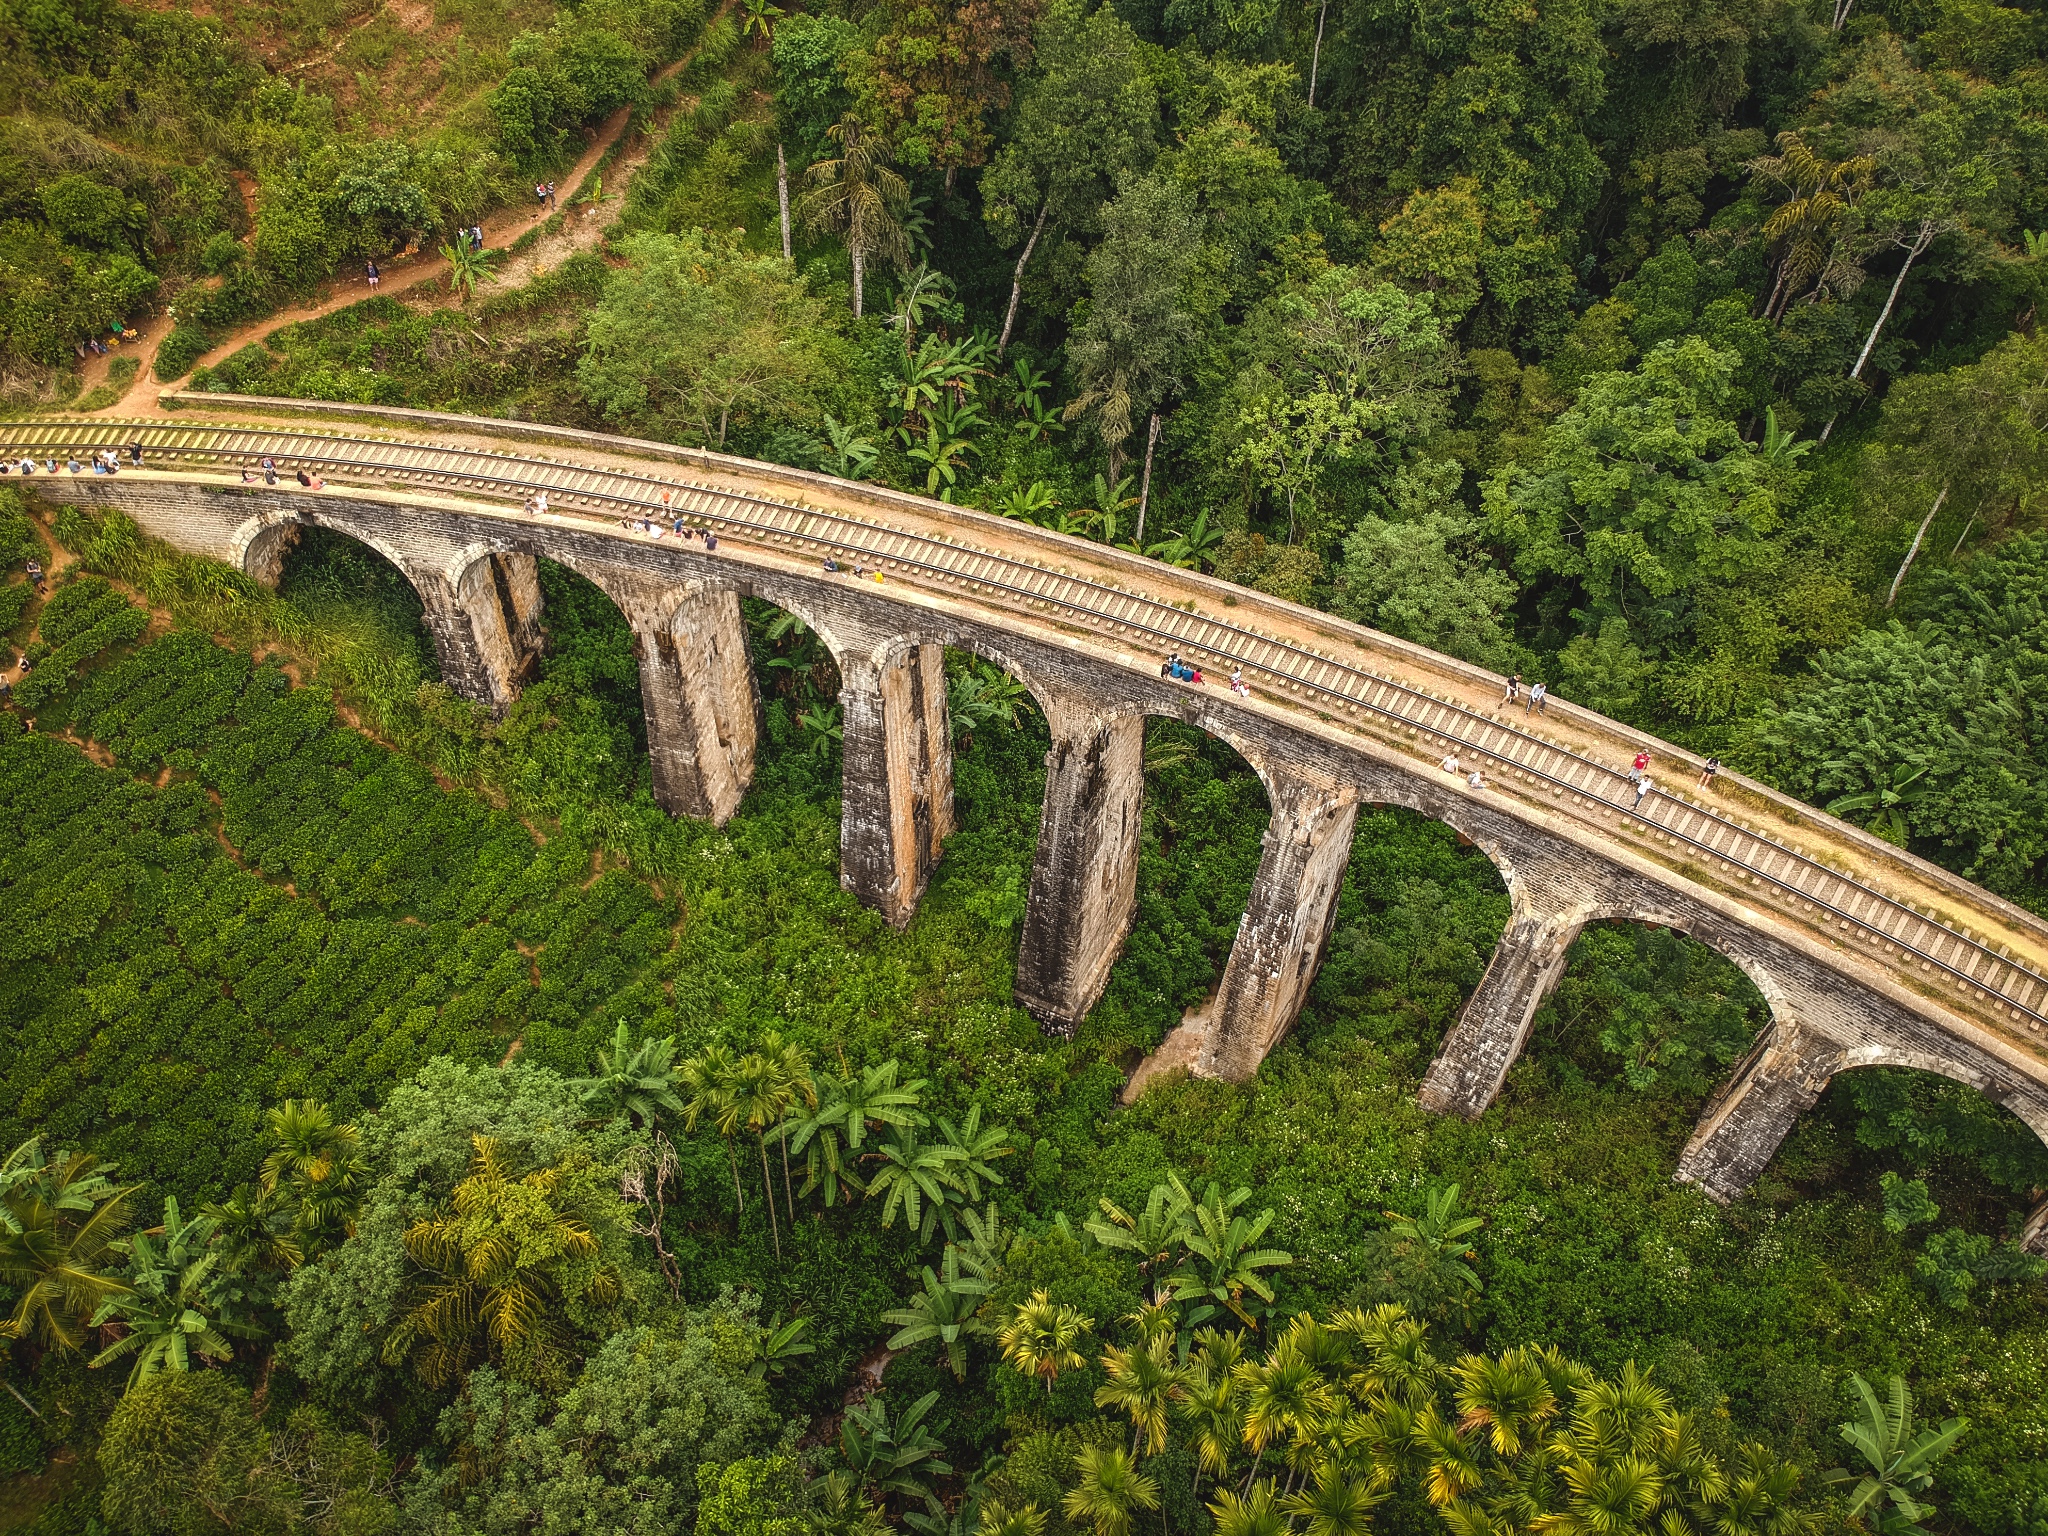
{"points": [[1450, 764], [831, 566], [311, 482], [1478, 779]]}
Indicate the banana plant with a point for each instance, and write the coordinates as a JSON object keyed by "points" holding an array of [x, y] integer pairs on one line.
{"points": [[943, 457], [170, 1312], [946, 1310], [1223, 1261], [1900, 1463]]}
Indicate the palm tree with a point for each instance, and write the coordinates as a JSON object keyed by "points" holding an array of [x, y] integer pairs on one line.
{"points": [[1143, 1383], [175, 1292], [59, 1222], [944, 1310], [317, 1165], [996, 1519], [1209, 1402], [1336, 1504], [1285, 1397], [249, 1234], [859, 198], [1809, 225], [1154, 1237], [762, 1096], [1111, 1491], [1901, 1463], [1040, 1338], [914, 1178], [636, 1082], [492, 1264], [467, 267], [1508, 1397], [1222, 1263], [792, 1064], [709, 1078], [1423, 1261], [1254, 1514]]}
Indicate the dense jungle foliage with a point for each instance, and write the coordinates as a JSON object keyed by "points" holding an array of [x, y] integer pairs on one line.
{"points": [[406, 1101], [408, 1128]]}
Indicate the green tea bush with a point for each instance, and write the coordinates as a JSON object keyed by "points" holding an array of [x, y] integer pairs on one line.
{"points": [[82, 619]]}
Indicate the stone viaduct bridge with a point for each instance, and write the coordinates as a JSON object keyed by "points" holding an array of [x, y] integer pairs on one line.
{"points": [[1865, 954]]}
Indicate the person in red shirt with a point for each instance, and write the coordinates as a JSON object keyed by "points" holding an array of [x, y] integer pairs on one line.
{"points": [[1641, 766]]}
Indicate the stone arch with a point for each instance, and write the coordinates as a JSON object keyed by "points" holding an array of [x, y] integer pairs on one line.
{"points": [[495, 585], [697, 690], [1705, 929], [2029, 1110], [262, 544]]}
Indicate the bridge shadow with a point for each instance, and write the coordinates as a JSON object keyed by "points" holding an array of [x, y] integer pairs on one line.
{"points": [[1648, 1008], [346, 587], [1418, 916], [1205, 814]]}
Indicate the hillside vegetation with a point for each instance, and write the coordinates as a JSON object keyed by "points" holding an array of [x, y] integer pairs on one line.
{"points": [[480, 1150]]}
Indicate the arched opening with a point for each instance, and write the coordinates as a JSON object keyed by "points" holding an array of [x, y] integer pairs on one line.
{"points": [[799, 683], [1204, 818], [1000, 739], [353, 593], [1955, 1175], [586, 692], [1418, 917], [1647, 1011]]}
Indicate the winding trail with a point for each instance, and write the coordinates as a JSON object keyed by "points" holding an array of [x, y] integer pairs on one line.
{"points": [[579, 228]]}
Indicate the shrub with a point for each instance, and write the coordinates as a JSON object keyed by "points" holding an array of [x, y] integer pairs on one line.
{"points": [[79, 622], [179, 351]]}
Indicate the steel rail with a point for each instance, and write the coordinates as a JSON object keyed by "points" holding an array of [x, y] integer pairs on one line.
{"points": [[2016, 987]]}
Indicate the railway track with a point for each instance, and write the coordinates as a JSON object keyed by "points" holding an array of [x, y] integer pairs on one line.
{"points": [[1933, 954]]}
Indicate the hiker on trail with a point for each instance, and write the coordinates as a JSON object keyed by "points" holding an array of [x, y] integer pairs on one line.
{"points": [[1643, 786], [371, 274], [540, 194], [476, 235], [1514, 689], [1640, 767], [1708, 769], [35, 574], [1539, 696], [551, 196]]}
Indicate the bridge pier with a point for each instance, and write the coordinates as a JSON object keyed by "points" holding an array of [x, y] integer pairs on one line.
{"points": [[896, 806], [703, 714], [1287, 922], [1774, 1085], [1473, 1061], [487, 631], [1084, 876], [2034, 1236]]}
